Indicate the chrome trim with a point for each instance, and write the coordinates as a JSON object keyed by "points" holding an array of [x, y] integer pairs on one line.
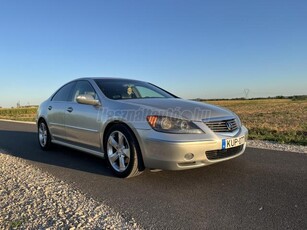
{"points": [[218, 118], [222, 125], [57, 124], [79, 128]]}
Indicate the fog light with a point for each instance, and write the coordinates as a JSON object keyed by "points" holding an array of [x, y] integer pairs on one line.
{"points": [[189, 156]]}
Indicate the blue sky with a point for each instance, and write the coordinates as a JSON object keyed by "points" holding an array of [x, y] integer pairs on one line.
{"points": [[195, 49]]}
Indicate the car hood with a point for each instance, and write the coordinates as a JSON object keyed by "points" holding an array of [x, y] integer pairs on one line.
{"points": [[179, 108]]}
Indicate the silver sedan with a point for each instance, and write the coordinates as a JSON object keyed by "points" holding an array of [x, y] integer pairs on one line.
{"points": [[137, 125]]}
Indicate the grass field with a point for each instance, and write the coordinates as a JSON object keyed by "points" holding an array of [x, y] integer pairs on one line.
{"points": [[281, 120], [20, 114]]}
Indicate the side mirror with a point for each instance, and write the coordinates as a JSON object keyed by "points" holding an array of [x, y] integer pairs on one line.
{"points": [[87, 99]]}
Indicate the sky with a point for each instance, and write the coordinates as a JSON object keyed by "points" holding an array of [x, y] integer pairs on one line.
{"points": [[194, 49]]}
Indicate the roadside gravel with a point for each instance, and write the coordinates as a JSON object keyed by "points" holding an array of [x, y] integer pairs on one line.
{"points": [[32, 199], [276, 146]]}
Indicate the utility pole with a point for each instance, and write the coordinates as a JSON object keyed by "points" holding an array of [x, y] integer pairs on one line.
{"points": [[246, 92]]}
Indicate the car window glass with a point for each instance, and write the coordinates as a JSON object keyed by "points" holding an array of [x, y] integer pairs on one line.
{"points": [[146, 92], [64, 93], [129, 89], [83, 88]]}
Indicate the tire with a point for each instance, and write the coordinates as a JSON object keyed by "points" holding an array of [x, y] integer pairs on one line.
{"points": [[44, 137], [122, 152]]}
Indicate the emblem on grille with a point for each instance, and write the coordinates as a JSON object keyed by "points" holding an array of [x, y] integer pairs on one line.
{"points": [[229, 125]]}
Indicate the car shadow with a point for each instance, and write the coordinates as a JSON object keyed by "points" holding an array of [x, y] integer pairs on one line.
{"points": [[24, 144]]}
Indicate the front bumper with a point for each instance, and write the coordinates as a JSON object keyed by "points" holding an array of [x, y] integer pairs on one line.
{"points": [[164, 151]]}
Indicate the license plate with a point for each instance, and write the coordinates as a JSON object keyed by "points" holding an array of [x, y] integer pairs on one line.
{"points": [[233, 142]]}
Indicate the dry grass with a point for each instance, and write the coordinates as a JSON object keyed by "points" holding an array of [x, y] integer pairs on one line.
{"points": [[281, 120], [20, 114]]}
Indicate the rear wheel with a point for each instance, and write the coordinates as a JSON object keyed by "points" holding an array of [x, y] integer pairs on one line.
{"points": [[122, 152], [44, 138]]}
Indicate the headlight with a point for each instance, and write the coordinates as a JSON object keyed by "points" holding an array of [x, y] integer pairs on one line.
{"points": [[172, 125]]}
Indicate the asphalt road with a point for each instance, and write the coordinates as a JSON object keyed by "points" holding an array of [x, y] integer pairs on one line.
{"points": [[262, 189]]}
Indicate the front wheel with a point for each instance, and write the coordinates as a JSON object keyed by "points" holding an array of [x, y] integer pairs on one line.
{"points": [[44, 138], [122, 152]]}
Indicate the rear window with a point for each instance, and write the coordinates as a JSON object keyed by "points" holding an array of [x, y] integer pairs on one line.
{"points": [[64, 93]]}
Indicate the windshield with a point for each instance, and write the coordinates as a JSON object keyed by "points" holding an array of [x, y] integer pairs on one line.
{"points": [[129, 89]]}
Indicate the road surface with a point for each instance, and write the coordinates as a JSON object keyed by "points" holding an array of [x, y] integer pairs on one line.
{"points": [[262, 189]]}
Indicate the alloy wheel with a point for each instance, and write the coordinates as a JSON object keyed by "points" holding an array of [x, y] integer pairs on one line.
{"points": [[118, 151]]}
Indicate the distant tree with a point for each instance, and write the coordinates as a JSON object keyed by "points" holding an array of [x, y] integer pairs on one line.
{"points": [[280, 97], [299, 97]]}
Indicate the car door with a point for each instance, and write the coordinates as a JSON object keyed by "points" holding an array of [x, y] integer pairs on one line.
{"points": [[56, 111], [82, 123]]}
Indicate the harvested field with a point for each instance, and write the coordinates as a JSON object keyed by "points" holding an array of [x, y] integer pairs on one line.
{"points": [[281, 120]]}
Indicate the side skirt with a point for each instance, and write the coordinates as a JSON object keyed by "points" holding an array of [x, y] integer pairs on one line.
{"points": [[93, 152]]}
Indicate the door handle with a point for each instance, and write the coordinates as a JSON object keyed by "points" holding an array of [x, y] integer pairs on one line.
{"points": [[70, 109], [49, 107]]}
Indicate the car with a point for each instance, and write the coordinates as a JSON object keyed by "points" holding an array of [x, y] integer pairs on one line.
{"points": [[136, 125]]}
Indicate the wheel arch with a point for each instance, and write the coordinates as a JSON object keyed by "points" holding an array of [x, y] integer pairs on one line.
{"points": [[133, 132], [41, 119]]}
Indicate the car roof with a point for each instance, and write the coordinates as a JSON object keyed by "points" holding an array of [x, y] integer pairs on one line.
{"points": [[105, 78]]}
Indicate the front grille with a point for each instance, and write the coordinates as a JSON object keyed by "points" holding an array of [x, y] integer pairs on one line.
{"points": [[223, 153], [222, 126]]}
